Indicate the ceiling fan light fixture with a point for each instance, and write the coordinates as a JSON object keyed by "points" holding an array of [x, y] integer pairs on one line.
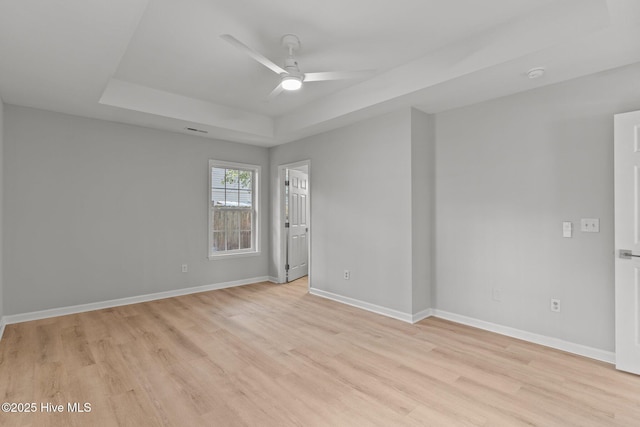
{"points": [[290, 82]]}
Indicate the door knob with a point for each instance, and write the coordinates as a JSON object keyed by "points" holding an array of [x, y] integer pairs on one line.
{"points": [[627, 254]]}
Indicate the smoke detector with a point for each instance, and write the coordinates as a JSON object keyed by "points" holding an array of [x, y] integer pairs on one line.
{"points": [[535, 73]]}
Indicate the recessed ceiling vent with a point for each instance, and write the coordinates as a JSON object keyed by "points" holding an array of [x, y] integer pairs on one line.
{"points": [[196, 130]]}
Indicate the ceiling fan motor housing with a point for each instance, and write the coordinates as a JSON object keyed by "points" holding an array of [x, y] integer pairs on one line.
{"points": [[291, 66], [294, 78]]}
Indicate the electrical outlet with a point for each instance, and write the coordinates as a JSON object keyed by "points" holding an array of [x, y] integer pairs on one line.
{"points": [[185, 268], [347, 275], [590, 225], [555, 305], [496, 295]]}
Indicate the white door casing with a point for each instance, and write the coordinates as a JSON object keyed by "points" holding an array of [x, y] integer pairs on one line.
{"points": [[298, 225], [627, 237]]}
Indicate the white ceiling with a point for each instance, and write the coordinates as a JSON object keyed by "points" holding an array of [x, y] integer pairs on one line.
{"points": [[162, 63]]}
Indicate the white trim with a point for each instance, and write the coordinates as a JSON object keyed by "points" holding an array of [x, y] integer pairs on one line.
{"points": [[274, 280], [280, 194], [557, 343], [579, 349], [257, 210], [62, 311], [231, 255], [405, 317], [384, 311], [421, 315]]}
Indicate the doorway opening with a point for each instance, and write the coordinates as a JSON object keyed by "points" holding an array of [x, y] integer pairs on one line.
{"points": [[295, 222]]}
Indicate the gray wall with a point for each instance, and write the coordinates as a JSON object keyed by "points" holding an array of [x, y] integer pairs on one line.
{"points": [[509, 171], [422, 208], [96, 210], [360, 181], [1, 204]]}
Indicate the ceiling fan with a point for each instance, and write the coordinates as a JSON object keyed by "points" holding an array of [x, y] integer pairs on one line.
{"points": [[291, 78]]}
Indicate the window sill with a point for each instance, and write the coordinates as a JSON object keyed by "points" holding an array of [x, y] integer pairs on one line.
{"points": [[233, 255]]}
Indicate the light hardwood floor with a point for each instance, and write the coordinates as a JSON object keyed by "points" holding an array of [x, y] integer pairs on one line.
{"points": [[273, 355]]}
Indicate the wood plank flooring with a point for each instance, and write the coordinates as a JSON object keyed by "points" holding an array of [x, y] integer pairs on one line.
{"points": [[273, 355]]}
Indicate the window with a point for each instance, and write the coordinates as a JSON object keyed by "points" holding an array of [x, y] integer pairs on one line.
{"points": [[233, 209]]}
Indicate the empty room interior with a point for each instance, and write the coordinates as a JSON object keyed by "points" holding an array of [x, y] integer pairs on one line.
{"points": [[336, 213]]}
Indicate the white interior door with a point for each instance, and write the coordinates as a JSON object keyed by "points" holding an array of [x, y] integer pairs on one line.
{"points": [[298, 225], [627, 240]]}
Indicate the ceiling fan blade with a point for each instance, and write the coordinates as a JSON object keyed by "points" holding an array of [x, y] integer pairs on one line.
{"points": [[275, 92], [336, 75], [252, 53]]}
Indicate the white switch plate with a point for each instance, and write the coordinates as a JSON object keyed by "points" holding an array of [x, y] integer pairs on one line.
{"points": [[567, 229], [590, 225]]}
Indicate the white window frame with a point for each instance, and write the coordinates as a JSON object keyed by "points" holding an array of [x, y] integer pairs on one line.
{"points": [[255, 193]]}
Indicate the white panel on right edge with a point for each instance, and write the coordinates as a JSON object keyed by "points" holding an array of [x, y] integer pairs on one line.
{"points": [[627, 246], [590, 225]]}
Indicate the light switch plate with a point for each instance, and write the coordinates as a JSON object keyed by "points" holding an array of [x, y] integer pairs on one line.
{"points": [[567, 229], [590, 225]]}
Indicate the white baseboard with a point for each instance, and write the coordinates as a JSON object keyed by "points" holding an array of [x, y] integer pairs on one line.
{"points": [[579, 349], [395, 314], [274, 280], [421, 315], [405, 317], [62, 311]]}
